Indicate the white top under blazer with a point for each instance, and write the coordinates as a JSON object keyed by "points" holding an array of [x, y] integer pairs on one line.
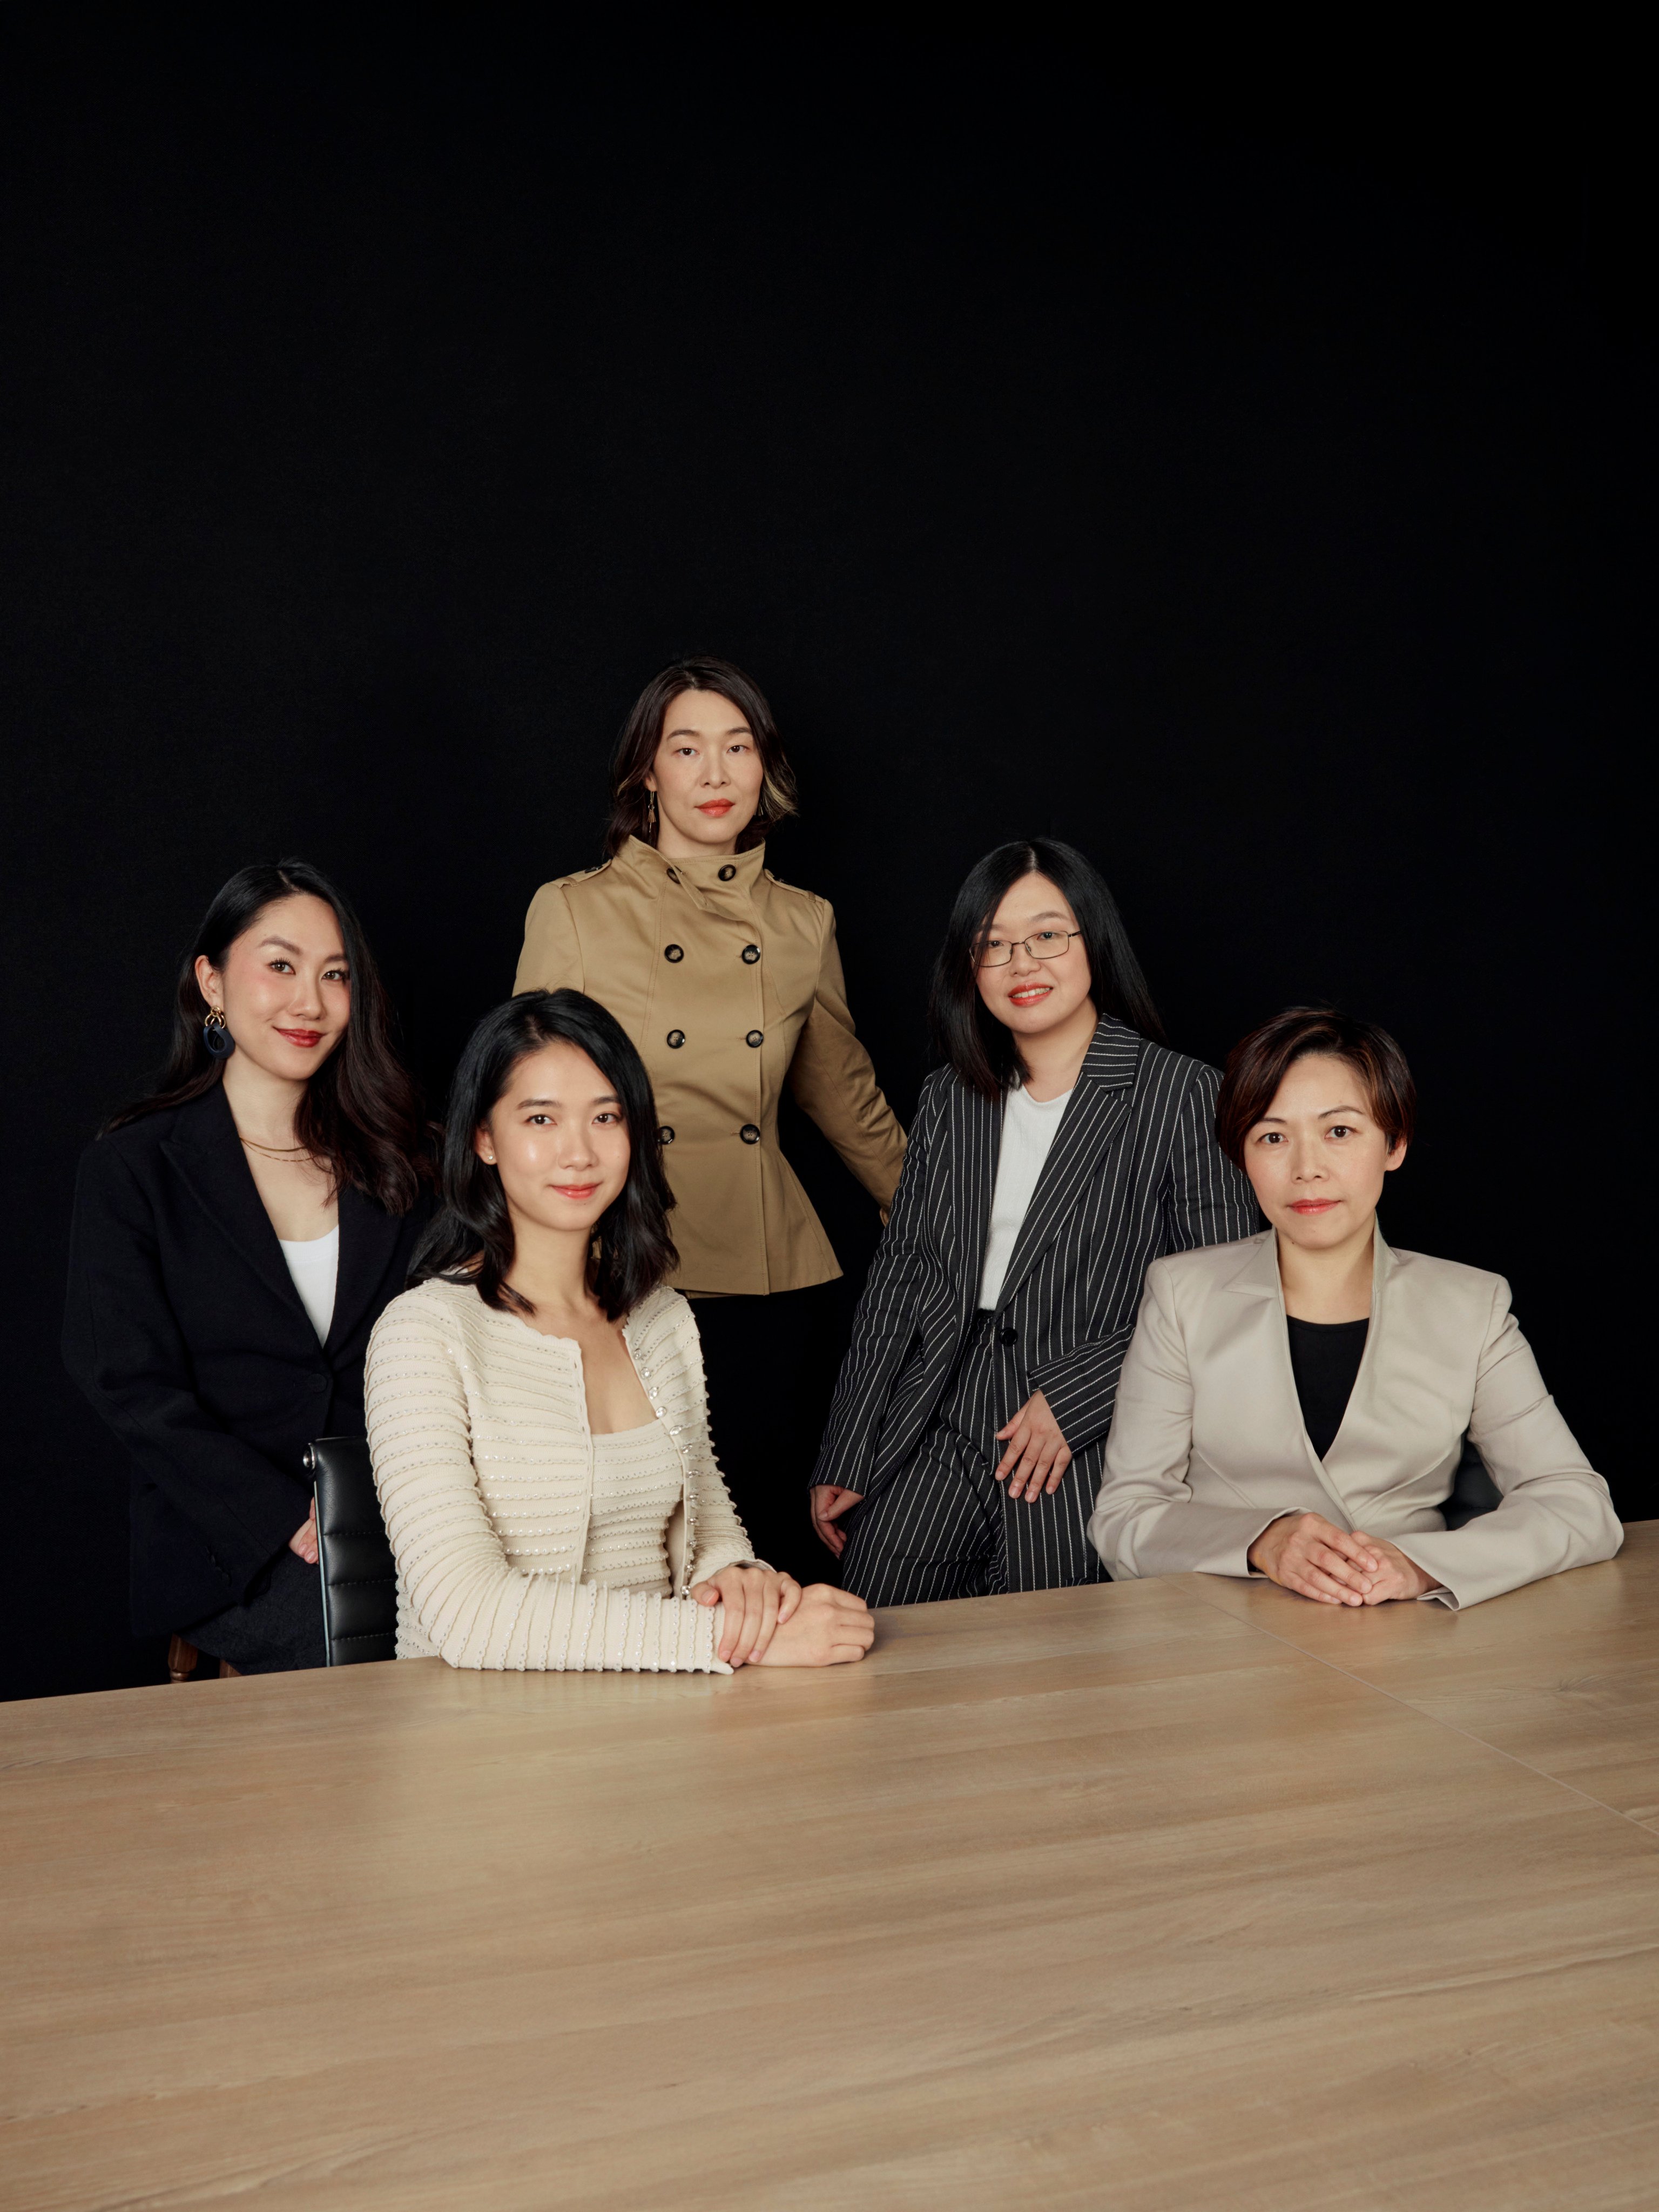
{"points": [[1208, 1444], [522, 1540]]}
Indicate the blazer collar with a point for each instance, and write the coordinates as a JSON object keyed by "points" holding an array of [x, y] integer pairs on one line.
{"points": [[1258, 1273], [208, 1152], [368, 1237], [704, 877], [206, 1148], [1097, 1105]]}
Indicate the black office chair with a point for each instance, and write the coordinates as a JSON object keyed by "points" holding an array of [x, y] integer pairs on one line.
{"points": [[359, 1574], [1473, 1491]]}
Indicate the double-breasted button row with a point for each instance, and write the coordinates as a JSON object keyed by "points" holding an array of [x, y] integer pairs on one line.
{"points": [[676, 1038]]}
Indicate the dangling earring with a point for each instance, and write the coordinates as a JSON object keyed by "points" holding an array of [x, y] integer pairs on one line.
{"points": [[651, 817], [215, 1035]]}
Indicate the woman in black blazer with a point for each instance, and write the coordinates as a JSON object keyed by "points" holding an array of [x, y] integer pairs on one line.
{"points": [[1061, 1149], [236, 1235]]}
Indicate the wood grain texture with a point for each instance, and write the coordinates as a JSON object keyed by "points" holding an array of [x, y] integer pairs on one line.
{"points": [[1564, 1675], [1096, 1896]]}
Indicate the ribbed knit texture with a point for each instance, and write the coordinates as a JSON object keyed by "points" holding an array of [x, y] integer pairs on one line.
{"points": [[507, 1557]]}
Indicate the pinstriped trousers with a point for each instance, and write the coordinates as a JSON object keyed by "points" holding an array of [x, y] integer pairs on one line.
{"points": [[935, 1530]]}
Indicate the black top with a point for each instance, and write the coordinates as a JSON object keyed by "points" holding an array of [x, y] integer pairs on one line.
{"points": [[185, 1331], [1325, 1356]]}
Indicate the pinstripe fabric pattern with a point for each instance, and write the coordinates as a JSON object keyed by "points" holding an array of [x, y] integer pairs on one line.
{"points": [[1133, 1173]]}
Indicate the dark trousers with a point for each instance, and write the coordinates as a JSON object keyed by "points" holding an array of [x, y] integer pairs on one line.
{"points": [[941, 1526], [771, 1365], [279, 1628]]}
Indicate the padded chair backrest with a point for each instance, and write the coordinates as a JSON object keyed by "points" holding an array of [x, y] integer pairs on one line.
{"points": [[359, 1574], [1473, 1491]]}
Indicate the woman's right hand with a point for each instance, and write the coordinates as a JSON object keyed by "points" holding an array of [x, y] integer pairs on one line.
{"points": [[304, 1539], [1310, 1555], [827, 1628], [829, 1502]]}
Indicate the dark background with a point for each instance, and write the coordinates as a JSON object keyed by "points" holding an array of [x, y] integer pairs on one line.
{"points": [[1231, 480]]}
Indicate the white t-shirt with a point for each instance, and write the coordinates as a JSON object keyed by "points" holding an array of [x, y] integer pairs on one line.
{"points": [[315, 1266], [1028, 1130]]}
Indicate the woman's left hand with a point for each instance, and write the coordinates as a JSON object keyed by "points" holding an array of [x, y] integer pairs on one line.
{"points": [[1037, 1454], [757, 1601], [1400, 1576]]}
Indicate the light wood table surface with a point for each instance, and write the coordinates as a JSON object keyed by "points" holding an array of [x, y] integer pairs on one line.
{"points": [[1166, 1895]]}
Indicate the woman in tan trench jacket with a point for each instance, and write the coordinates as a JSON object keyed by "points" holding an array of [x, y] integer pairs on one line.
{"points": [[729, 983]]}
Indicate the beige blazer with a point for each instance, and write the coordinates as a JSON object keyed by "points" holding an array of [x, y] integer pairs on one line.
{"points": [[1208, 1446], [730, 985]]}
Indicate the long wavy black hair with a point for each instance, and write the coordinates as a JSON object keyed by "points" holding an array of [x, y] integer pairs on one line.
{"points": [[966, 1035], [471, 1240], [641, 734], [360, 1115]]}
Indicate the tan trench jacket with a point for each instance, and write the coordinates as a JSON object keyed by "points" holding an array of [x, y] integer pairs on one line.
{"points": [[729, 983]]}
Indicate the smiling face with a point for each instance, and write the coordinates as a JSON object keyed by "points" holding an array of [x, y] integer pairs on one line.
{"points": [[707, 776], [557, 1139], [1029, 995], [1317, 1158], [285, 987]]}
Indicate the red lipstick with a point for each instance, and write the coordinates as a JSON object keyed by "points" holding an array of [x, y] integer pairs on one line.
{"points": [[304, 1038]]}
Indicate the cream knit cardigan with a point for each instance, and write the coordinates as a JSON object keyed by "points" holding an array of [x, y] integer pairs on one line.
{"points": [[478, 1424]]}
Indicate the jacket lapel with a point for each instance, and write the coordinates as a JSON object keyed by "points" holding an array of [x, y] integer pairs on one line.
{"points": [[975, 1139], [368, 1237], [208, 1153], [1096, 1111]]}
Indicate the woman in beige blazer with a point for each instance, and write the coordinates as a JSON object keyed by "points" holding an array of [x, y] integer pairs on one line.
{"points": [[729, 983], [1296, 1406]]}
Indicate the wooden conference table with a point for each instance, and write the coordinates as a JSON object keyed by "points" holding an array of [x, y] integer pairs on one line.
{"points": [[1179, 1893]]}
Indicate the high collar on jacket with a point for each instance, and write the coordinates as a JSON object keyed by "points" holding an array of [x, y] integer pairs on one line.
{"points": [[204, 1146], [1099, 1104], [700, 878]]}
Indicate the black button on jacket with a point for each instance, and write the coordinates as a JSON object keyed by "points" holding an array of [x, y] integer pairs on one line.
{"points": [[185, 1331]]}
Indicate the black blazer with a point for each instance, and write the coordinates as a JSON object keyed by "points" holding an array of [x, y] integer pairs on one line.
{"points": [[185, 1331], [1134, 1172]]}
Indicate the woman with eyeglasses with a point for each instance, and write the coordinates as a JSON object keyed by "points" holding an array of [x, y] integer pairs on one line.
{"points": [[729, 985], [1060, 1149]]}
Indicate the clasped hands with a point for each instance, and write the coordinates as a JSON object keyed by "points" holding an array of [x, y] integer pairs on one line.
{"points": [[771, 1621], [1310, 1555]]}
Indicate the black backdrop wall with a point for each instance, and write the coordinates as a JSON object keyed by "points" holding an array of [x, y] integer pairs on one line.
{"points": [[1247, 510]]}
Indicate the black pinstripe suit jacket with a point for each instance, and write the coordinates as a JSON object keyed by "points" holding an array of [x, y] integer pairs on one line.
{"points": [[1134, 1172]]}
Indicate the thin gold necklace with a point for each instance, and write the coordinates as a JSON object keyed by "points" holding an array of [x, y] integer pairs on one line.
{"points": [[276, 1152]]}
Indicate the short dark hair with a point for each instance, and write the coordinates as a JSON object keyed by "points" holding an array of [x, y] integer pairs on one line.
{"points": [[1258, 1063], [967, 1036], [641, 734], [471, 1239], [360, 1113]]}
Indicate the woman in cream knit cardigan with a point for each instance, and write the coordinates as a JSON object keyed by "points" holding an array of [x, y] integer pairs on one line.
{"points": [[535, 1404]]}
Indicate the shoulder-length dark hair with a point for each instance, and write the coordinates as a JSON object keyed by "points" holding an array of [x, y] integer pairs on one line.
{"points": [[1258, 1064], [360, 1113], [641, 734], [471, 1240], [967, 1036]]}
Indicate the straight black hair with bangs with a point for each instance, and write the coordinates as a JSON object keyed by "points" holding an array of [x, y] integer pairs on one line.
{"points": [[968, 1037], [471, 1240]]}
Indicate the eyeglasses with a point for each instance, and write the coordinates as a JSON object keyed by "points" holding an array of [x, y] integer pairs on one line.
{"points": [[1047, 945]]}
